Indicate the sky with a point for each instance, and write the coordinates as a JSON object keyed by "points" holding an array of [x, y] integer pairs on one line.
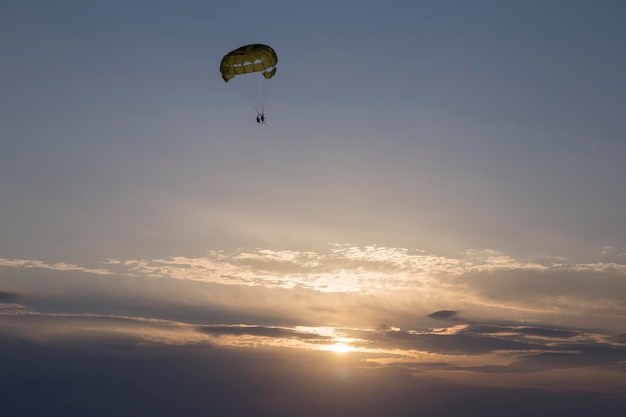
{"points": [[430, 222]]}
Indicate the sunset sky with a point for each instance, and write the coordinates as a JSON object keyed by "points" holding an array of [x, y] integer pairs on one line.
{"points": [[432, 221]]}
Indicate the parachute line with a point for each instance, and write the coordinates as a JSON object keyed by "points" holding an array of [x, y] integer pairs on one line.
{"points": [[250, 70], [265, 95], [294, 179]]}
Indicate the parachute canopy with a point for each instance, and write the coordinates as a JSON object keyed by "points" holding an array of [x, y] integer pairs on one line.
{"points": [[249, 59], [252, 68]]}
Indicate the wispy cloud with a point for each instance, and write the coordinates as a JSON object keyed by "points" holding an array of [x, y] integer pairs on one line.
{"points": [[342, 269], [57, 266], [260, 331], [380, 283]]}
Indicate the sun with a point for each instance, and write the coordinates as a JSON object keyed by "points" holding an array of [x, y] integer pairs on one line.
{"points": [[341, 348]]}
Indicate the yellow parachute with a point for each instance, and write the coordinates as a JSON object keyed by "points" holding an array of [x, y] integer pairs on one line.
{"points": [[252, 68]]}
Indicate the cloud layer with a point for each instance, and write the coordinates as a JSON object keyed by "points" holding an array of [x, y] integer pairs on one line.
{"points": [[394, 283], [353, 318]]}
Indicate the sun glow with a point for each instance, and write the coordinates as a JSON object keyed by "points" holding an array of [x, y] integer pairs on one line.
{"points": [[341, 348]]}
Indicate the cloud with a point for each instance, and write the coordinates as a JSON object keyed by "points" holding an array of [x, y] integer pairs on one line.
{"points": [[595, 295], [368, 269], [522, 331], [353, 285], [390, 284], [566, 356], [447, 355], [58, 266], [9, 297], [444, 315], [580, 281], [377, 270], [123, 373], [261, 331], [343, 269], [451, 344]]}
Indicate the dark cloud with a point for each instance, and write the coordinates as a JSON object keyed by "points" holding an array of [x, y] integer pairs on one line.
{"points": [[262, 331], [569, 356], [475, 339], [521, 331], [479, 339], [9, 297], [457, 344], [444, 314], [452, 344]]}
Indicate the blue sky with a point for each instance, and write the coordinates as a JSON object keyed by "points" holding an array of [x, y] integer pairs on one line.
{"points": [[439, 190]]}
